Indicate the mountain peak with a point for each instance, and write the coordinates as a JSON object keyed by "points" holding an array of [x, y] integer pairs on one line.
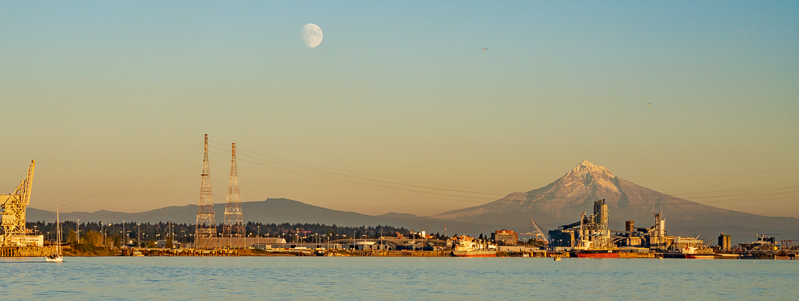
{"points": [[586, 167], [589, 175]]}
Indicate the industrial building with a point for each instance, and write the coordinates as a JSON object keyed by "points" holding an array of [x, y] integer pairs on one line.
{"points": [[589, 232], [505, 237], [724, 242], [763, 242], [592, 232], [653, 237]]}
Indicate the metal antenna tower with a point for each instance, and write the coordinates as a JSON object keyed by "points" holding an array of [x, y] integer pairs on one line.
{"points": [[206, 220], [234, 223]]}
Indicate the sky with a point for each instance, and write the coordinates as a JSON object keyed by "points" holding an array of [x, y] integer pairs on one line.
{"points": [[398, 109]]}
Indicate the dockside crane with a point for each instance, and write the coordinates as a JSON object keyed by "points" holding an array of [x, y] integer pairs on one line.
{"points": [[537, 232], [14, 207]]}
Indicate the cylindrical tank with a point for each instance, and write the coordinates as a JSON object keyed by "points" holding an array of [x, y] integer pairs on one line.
{"points": [[629, 226]]}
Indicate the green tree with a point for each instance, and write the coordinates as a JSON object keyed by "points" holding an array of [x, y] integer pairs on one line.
{"points": [[92, 238], [72, 237], [151, 244], [169, 244], [115, 239]]}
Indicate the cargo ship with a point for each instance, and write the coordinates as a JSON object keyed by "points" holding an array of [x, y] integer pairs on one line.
{"points": [[469, 247]]}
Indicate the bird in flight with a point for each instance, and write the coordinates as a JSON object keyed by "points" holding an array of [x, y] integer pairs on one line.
{"points": [[484, 49]]}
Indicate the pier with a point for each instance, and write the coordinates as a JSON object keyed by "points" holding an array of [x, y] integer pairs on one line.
{"points": [[26, 251]]}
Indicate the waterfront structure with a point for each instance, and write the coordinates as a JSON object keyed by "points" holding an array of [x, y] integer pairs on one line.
{"points": [[595, 233], [630, 234], [259, 242], [505, 237], [590, 232], [234, 223], [562, 239], [763, 242], [466, 246], [206, 220], [14, 207], [657, 235], [724, 242], [591, 237]]}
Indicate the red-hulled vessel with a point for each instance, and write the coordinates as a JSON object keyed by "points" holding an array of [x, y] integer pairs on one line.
{"points": [[700, 256], [597, 253]]}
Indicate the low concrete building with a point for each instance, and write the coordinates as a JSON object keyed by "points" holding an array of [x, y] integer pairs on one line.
{"points": [[371, 245], [562, 239]]}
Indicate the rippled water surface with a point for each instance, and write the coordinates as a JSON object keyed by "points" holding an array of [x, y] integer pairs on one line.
{"points": [[370, 278]]}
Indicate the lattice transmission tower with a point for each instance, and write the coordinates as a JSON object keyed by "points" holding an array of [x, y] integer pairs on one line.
{"points": [[205, 233], [234, 223]]}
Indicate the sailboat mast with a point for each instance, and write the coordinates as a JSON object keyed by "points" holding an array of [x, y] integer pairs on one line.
{"points": [[58, 231]]}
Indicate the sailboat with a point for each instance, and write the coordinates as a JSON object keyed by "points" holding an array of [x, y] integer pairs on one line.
{"points": [[56, 257]]}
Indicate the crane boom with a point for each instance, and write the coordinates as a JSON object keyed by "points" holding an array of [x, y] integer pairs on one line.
{"points": [[539, 229], [537, 232]]}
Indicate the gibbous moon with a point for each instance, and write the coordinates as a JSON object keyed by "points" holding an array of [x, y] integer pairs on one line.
{"points": [[311, 35]]}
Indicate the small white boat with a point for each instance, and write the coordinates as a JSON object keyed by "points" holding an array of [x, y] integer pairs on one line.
{"points": [[56, 257]]}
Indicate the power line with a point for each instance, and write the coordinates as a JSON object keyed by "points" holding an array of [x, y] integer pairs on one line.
{"points": [[140, 178], [275, 161]]}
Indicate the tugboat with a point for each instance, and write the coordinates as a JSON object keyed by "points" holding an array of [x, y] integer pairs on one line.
{"points": [[56, 256], [468, 247]]}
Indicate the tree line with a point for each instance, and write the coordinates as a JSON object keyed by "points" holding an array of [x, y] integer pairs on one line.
{"points": [[146, 234]]}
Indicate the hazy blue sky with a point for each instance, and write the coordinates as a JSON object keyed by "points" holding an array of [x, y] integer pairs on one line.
{"points": [[398, 109]]}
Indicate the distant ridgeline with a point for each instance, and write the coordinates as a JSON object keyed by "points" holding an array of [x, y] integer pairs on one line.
{"points": [[184, 232]]}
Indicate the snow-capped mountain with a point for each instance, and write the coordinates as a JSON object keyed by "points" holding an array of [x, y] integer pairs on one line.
{"points": [[561, 202]]}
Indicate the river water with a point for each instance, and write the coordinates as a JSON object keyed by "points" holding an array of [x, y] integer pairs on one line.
{"points": [[396, 278]]}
